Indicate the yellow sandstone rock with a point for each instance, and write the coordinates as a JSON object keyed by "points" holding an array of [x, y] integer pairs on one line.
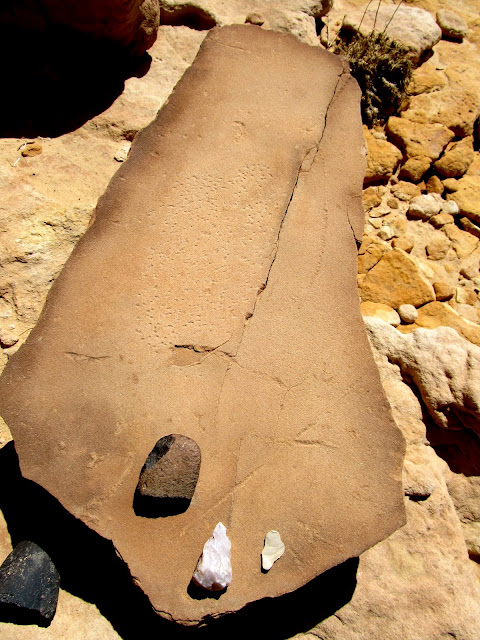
{"points": [[397, 280], [439, 314]]}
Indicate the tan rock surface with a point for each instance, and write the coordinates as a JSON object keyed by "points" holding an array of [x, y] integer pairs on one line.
{"points": [[418, 584], [453, 107], [437, 314], [221, 346], [415, 168], [382, 311], [427, 79], [443, 366], [47, 200], [382, 158], [462, 241], [396, 280], [418, 140], [457, 158], [467, 196]]}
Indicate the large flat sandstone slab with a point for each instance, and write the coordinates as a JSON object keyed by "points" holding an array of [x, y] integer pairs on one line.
{"points": [[215, 296]]}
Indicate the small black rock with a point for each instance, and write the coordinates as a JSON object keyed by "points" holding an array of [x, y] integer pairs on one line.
{"points": [[29, 585]]}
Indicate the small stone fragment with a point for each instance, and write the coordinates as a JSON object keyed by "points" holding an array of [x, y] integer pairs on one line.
{"points": [[404, 243], [370, 198], [382, 158], [386, 233], [370, 253], [434, 185], [426, 206], [31, 149], [471, 227], [122, 152], [379, 212], [214, 569], [273, 549], [7, 338], [463, 243], [382, 311], [465, 296], [457, 158], [405, 191], [470, 270], [407, 313], [450, 184], [29, 585], [467, 197], [437, 248], [396, 280], [255, 18], [449, 207], [451, 24], [414, 168], [168, 478], [443, 290], [441, 219]]}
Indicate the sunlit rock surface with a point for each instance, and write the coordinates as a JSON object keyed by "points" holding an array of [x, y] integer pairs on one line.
{"points": [[199, 302]]}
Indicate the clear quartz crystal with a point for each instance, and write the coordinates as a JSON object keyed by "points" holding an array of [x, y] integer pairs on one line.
{"points": [[214, 569]]}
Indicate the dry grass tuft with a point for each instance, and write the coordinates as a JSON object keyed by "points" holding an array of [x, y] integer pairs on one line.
{"points": [[383, 70]]}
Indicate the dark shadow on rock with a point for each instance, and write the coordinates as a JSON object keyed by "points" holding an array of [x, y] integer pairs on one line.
{"points": [[24, 617], [459, 448], [151, 507], [188, 15], [55, 80], [199, 593], [90, 569]]}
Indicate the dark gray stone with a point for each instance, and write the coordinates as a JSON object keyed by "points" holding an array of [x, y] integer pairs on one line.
{"points": [[168, 478], [29, 585]]}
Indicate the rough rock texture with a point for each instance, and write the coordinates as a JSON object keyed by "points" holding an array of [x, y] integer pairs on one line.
{"points": [[213, 333], [444, 367], [29, 584], [437, 314], [418, 584], [132, 23], [457, 158], [382, 311], [382, 158], [425, 206], [396, 280], [467, 197], [290, 16], [418, 140], [451, 24]]}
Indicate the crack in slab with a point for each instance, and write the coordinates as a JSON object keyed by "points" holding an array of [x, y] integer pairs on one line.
{"points": [[304, 167], [84, 357]]}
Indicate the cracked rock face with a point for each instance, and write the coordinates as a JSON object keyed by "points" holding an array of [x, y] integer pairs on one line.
{"points": [[199, 302]]}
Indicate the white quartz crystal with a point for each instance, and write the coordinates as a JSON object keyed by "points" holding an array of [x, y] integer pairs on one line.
{"points": [[273, 549], [214, 569]]}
